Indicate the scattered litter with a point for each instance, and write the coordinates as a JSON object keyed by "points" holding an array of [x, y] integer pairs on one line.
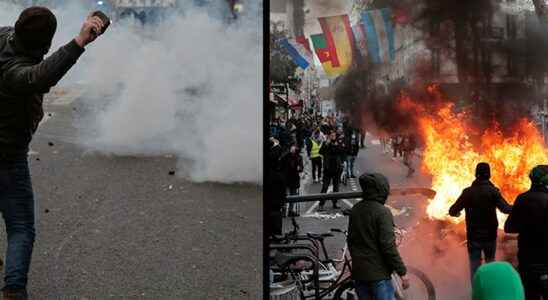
{"points": [[243, 292], [171, 172], [321, 216], [170, 187], [38, 158], [50, 144]]}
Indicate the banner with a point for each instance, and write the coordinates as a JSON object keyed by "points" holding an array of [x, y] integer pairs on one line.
{"points": [[376, 31], [334, 47], [298, 51]]}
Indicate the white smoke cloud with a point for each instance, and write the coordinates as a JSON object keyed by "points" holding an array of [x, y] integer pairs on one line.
{"points": [[191, 86]]}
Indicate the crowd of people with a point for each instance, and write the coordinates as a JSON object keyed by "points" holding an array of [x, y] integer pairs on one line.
{"points": [[331, 144]]}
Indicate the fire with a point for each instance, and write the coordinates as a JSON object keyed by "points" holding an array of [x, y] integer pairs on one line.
{"points": [[453, 147]]}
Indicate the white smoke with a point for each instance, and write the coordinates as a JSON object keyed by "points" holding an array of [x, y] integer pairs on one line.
{"points": [[191, 86]]}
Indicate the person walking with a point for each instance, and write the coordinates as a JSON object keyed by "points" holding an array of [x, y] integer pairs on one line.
{"points": [[480, 202], [529, 219], [332, 151], [372, 242], [313, 146], [25, 77]]}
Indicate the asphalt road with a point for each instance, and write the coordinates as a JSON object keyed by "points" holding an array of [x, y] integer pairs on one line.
{"points": [[443, 259], [124, 228]]}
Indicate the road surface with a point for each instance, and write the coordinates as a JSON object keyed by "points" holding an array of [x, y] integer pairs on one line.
{"points": [[122, 227]]}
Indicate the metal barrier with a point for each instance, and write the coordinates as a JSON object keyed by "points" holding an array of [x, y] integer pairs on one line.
{"points": [[429, 193]]}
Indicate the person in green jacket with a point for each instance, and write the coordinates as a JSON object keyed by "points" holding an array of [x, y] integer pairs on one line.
{"points": [[497, 281], [372, 243]]}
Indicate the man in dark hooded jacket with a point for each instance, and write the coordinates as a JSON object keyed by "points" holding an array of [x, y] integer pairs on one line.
{"points": [[529, 218], [24, 78], [480, 202], [372, 243]]}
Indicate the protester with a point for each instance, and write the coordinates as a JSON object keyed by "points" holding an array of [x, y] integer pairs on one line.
{"points": [[26, 77], [409, 146], [293, 169], [353, 148], [480, 202], [372, 243], [275, 200], [497, 280], [332, 151], [314, 144], [529, 219]]}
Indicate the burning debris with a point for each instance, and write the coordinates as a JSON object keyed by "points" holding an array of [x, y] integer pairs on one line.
{"points": [[453, 145]]}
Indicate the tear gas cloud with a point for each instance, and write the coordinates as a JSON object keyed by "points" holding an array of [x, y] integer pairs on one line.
{"points": [[189, 86]]}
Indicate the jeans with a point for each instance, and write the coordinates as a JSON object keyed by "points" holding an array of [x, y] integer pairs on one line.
{"points": [[17, 208], [375, 290], [350, 165], [475, 248]]}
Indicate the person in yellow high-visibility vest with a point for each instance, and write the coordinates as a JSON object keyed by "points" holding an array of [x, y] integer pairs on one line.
{"points": [[314, 144]]}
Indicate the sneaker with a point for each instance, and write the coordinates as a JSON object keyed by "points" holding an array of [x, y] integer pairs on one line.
{"points": [[19, 294]]}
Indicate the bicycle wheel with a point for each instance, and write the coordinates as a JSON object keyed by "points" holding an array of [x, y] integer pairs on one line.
{"points": [[346, 292], [420, 286]]}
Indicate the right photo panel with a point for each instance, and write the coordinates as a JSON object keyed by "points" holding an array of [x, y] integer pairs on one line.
{"points": [[407, 156]]}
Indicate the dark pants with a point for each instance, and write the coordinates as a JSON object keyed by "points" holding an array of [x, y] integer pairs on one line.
{"points": [[535, 283], [316, 167], [328, 177], [375, 290], [475, 249], [350, 165], [17, 208]]}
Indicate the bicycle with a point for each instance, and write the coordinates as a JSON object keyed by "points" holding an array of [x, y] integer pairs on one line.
{"points": [[324, 277], [415, 275]]}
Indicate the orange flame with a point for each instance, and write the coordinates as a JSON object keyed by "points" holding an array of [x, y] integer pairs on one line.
{"points": [[453, 148]]}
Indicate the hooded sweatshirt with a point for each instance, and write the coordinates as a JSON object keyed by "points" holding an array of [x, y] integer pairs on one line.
{"points": [[371, 238], [497, 281]]}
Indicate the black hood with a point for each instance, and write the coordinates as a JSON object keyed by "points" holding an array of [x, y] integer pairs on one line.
{"points": [[375, 187], [34, 30], [483, 171]]}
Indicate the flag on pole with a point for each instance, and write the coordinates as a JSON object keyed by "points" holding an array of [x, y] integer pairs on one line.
{"points": [[334, 47], [376, 31], [298, 51]]}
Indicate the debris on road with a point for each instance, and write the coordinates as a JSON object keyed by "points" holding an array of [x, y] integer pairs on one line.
{"points": [[50, 144], [171, 172]]}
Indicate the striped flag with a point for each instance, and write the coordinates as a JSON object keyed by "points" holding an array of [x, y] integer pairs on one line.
{"points": [[334, 47], [299, 50], [375, 35]]}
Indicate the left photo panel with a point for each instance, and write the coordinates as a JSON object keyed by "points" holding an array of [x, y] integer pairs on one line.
{"points": [[131, 149]]}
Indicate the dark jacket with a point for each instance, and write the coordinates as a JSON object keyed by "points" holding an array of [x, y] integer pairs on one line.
{"points": [[332, 157], [293, 169], [352, 141], [480, 202], [371, 238], [275, 198], [529, 218], [24, 78]]}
